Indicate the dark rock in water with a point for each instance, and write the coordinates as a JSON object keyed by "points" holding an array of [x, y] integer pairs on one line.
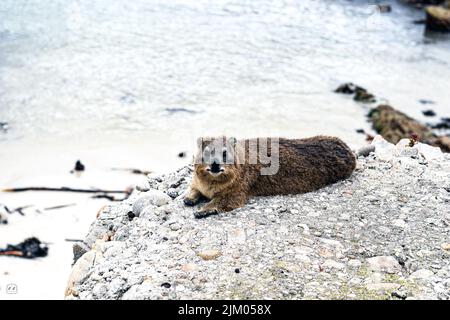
{"points": [[360, 131], [438, 19], [3, 219], [425, 101], [361, 94], [182, 154], [429, 113], [4, 126], [29, 249], [349, 88], [79, 166], [128, 98], [443, 124], [384, 8], [364, 96], [394, 125], [177, 110], [420, 21], [422, 3]]}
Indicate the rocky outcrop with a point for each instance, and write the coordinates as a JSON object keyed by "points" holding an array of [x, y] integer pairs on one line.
{"points": [[438, 18], [423, 3], [381, 234], [394, 125]]}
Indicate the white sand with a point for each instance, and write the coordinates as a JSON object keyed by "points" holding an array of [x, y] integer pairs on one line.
{"points": [[46, 278]]}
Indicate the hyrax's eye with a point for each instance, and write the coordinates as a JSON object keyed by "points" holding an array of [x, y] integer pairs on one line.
{"points": [[224, 156]]}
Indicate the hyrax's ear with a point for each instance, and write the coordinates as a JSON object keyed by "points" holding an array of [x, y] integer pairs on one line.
{"points": [[232, 141], [199, 142]]}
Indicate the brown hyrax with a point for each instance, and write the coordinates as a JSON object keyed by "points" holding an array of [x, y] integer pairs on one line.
{"points": [[228, 171]]}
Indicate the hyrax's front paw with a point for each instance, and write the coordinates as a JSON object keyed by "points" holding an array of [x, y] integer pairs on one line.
{"points": [[205, 213], [189, 202]]}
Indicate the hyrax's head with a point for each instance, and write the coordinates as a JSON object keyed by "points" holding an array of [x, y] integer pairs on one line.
{"points": [[216, 159]]}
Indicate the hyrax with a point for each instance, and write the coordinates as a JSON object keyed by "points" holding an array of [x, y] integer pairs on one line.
{"points": [[228, 172]]}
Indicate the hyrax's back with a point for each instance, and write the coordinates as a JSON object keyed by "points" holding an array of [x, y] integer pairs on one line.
{"points": [[306, 165]]}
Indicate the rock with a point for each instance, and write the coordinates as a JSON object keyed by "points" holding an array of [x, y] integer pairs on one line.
{"points": [[383, 149], [80, 271], [394, 125], [172, 192], [422, 3], [437, 18], [385, 264], [349, 88], [382, 288], [429, 113], [209, 254], [331, 264], [445, 246], [79, 249], [399, 223], [364, 96], [189, 267], [360, 94], [175, 226], [429, 152], [384, 8], [4, 126], [422, 274], [150, 198], [354, 263], [366, 150]]}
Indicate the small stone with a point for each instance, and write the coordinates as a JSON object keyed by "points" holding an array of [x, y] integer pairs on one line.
{"points": [[445, 246], [331, 264], [382, 288], [429, 152], [422, 274], [386, 264], [399, 223], [354, 263], [189, 267], [152, 197], [131, 215], [172, 192], [209, 254], [175, 226]]}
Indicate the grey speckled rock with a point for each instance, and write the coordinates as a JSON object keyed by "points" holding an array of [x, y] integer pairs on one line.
{"points": [[381, 234], [150, 198]]}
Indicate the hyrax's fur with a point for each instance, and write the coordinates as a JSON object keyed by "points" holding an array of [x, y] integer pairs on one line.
{"points": [[304, 165]]}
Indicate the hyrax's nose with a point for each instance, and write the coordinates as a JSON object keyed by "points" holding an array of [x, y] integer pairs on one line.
{"points": [[215, 167]]}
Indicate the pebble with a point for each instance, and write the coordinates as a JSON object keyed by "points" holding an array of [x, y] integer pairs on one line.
{"points": [[209, 254], [386, 264]]}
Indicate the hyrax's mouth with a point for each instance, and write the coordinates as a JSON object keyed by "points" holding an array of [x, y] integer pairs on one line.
{"points": [[215, 168]]}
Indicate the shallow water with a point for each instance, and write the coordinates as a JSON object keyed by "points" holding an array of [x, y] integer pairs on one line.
{"points": [[78, 74]]}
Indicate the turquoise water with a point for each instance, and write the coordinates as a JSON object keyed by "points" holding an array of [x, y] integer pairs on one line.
{"points": [[173, 70]]}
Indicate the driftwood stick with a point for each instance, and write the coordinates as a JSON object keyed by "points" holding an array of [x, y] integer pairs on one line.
{"points": [[62, 189], [60, 206]]}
